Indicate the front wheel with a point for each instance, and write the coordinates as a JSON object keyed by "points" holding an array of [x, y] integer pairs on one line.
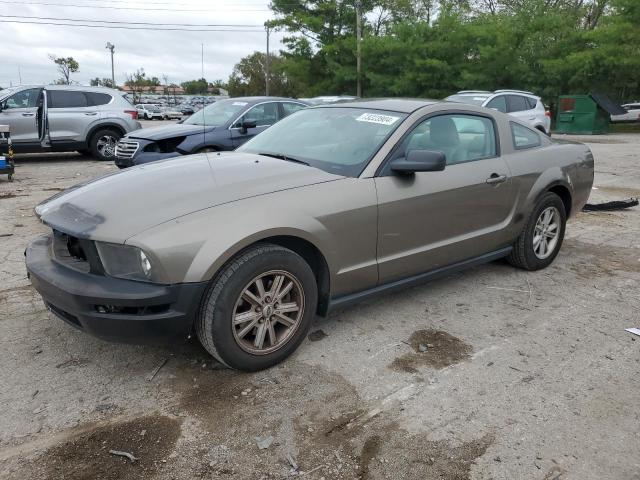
{"points": [[103, 144], [541, 239], [259, 308]]}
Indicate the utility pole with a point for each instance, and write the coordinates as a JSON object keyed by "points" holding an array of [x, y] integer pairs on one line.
{"points": [[359, 47], [110, 46], [267, 64]]}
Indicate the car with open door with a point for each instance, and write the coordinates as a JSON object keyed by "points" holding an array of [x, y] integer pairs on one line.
{"points": [[63, 118], [221, 126], [329, 206]]}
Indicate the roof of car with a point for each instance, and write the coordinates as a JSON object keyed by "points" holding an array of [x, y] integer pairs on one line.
{"points": [[404, 105], [262, 99]]}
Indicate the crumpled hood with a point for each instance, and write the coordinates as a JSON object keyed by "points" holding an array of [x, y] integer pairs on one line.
{"points": [[168, 131], [118, 206]]}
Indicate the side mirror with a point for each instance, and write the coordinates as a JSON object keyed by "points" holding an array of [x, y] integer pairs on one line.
{"points": [[246, 125], [420, 161]]}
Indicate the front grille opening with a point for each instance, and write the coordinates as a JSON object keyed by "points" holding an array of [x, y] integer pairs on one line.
{"points": [[122, 310], [69, 251], [75, 249]]}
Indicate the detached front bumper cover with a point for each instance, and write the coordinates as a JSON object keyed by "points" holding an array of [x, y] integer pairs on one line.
{"points": [[111, 308]]}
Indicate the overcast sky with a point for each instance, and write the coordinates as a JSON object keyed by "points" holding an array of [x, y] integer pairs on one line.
{"points": [[176, 54]]}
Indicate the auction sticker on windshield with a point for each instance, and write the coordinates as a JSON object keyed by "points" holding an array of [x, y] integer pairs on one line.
{"points": [[377, 118], [240, 104]]}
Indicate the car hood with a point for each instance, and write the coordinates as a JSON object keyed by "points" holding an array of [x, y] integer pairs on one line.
{"points": [[168, 131], [118, 206]]}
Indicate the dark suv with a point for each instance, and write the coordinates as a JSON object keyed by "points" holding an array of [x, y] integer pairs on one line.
{"points": [[224, 125]]}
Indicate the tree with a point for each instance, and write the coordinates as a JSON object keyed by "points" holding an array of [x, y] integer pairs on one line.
{"points": [[195, 87], [138, 80], [432, 48], [101, 82], [249, 77], [66, 66]]}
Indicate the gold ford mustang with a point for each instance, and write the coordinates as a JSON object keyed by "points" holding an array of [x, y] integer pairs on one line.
{"points": [[328, 206]]}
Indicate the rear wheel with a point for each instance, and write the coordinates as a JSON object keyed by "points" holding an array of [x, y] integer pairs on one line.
{"points": [[541, 239], [103, 144], [259, 308]]}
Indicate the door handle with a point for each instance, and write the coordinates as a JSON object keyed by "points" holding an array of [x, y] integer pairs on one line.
{"points": [[91, 113], [28, 114], [494, 179]]}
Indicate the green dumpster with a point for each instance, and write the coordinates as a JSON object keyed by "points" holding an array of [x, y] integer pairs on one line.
{"points": [[585, 114]]}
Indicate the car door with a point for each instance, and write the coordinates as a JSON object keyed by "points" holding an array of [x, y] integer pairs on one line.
{"points": [[263, 115], [69, 115], [429, 220], [19, 111]]}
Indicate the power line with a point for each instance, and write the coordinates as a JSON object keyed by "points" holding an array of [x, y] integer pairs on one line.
{"points": [[122, 27], [134, 23], [174, 10]]}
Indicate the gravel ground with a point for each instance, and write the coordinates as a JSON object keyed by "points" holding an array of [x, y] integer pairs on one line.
{"points": [[528, 376]]}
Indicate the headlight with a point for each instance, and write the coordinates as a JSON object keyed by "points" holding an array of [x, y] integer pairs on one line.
{"points": [[126, 261]]}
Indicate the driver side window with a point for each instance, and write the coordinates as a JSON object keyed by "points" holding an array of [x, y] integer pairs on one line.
{"points": [[461, 137], [265, 114], [23, 99]]}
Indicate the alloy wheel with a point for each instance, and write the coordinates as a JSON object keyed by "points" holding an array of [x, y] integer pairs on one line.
{"points": [[268, 312], [546, 233], [106, 146]]}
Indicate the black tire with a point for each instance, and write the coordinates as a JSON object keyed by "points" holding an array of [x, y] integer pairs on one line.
{"points": [[98, 150], [145, 116], [214, 323], [523, 255]]}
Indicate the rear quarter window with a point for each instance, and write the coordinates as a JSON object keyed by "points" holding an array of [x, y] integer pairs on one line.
{"points": [[524, 137], [95, 99]]}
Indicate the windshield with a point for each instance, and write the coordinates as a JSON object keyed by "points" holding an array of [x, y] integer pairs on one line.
{"points": [[472, 99], [337, 140], [217, 114], [4, 93]]}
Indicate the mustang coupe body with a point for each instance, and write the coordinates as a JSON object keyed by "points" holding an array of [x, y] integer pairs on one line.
{"points": [[330, 205]]}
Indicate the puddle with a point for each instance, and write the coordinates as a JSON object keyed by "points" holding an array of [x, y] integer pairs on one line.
{"points": [[150, 439], [441, 351]]}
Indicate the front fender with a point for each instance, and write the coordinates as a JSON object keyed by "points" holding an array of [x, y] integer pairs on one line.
{"points": [[339, 218]]}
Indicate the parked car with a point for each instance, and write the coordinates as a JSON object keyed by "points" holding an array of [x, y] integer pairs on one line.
{"points": [[171, 113], [525, 106], [323, 100], [329, 206], [62, 118], [149, 111], [187, 110], [632, 115], [224, 125]]}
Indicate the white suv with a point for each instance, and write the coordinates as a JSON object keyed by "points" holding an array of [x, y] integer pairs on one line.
{"points": [[525, 106], [632, 115], [149, 111]]}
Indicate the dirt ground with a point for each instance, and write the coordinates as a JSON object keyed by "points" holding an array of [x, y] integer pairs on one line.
{"points": [[493, 373]]}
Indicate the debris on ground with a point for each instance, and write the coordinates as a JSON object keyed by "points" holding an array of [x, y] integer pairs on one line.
{"points": [[264, 442], [610, 206], [635, 331], [422, 348], [123, 454], [157, 369], [292, 462], [317, 335]]}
